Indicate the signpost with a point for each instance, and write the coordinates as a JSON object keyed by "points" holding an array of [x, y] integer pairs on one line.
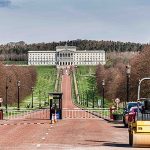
{"points": [[1, 100], [117, 101], [99, 102]]}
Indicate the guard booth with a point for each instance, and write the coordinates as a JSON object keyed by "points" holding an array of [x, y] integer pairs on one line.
{"points": [[55, 99]]}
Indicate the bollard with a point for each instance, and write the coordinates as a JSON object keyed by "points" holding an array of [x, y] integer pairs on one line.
{"points": [[1, 114]]}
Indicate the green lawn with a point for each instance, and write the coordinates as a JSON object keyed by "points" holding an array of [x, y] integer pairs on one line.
{"points": [[16, 62], [87, 88], [85, 78], [45, 83]]}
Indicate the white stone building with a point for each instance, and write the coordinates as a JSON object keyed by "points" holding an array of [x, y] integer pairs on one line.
{"points": [[66, 55]]}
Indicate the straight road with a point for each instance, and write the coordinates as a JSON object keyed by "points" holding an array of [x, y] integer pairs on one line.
{"points": [[66, 134]]}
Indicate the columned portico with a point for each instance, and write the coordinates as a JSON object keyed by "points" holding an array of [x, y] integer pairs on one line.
{"points": [[65, 56]]}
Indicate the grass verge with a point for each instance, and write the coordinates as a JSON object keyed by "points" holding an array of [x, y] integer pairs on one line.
{"points": [[45, 83], [87, 87]]}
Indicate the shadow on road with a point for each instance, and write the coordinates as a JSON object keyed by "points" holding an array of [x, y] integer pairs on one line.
{"points": [[115, 144], [120, 126], [95, 141], [104, 143], [92, 143]]}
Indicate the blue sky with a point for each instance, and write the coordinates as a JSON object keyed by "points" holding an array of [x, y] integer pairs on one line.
{"points": [[53, 20]]}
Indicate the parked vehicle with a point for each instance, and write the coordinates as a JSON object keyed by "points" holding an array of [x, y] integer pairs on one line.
{"points": [[129, 108]]}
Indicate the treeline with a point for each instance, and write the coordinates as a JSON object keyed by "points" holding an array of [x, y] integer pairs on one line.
{"points": [[116, 80], [18, 51], [9, 75]]}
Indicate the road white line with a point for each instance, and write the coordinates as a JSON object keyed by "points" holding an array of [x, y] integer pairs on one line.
{"points": [[38, 145]]}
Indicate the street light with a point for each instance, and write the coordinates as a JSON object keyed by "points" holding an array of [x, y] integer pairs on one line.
{"points": [[87, 99], [7, 80], [103, 87], [93, 97], [128, 73], [32, 89], [18, 85], [80, 97], [83, 99], [39, 98]]}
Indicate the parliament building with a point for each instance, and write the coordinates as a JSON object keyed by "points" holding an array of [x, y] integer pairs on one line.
{"points": [[66, 55]]}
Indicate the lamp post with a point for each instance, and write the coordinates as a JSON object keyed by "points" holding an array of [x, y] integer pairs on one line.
{"points": [[39, 98], [83, 99], [128, 73], [7, 80], [93, 97], [103, 89], [80, 99], [44, 98], [32, 89], [87, 99], [18, 85]]}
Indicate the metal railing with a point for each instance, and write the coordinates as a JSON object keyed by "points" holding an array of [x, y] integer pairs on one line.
{"points": [[26, 114], [86, 113]]}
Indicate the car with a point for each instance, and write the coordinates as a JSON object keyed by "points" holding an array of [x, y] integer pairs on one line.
{"points": [[130, 108]]}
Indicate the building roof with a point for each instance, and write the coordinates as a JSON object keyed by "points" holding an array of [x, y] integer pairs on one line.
{"points": [[90, 51], [66, 47], [41, 51]]}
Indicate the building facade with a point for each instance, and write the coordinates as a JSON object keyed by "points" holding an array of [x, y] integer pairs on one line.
{"points": [[66, 55]]}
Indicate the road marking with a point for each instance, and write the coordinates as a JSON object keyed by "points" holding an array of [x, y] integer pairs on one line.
{"points": [[24, 123], [38, 145]]}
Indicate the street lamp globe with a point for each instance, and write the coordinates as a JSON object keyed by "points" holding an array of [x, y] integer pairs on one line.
{"points": [[18, 83], [103, 82], [128, 69], [32, 88], [103, 91]]}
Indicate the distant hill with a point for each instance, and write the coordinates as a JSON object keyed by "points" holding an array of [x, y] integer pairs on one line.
{"points": [[12, 49]]}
